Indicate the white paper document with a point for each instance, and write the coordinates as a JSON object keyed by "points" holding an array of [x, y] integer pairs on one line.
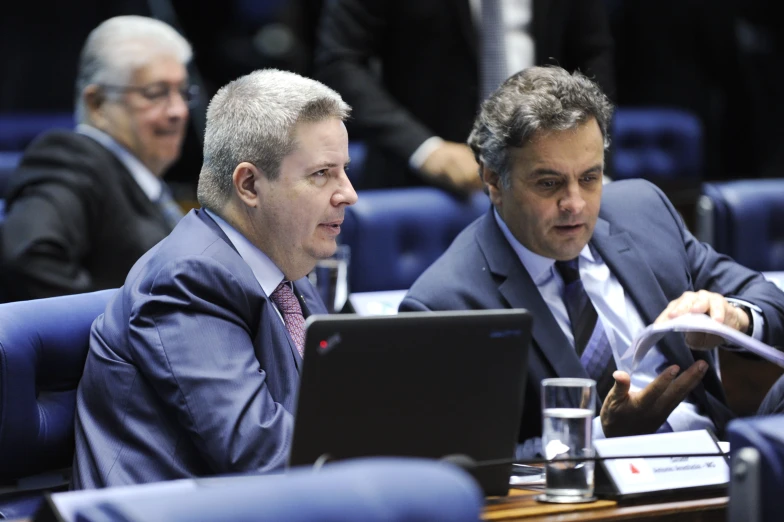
{"points": [[697, 323]]}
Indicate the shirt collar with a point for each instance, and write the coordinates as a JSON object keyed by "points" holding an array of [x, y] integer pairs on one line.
{"points": [[539, 267], [149, 182], [266, 272]]}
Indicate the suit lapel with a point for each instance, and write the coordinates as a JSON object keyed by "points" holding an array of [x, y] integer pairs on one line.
{"points": [[519, 291], [269, 316], [638, 280], [138, 198]]}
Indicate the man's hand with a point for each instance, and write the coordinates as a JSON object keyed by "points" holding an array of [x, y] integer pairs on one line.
{"points": [[452, 165], [638, 413], [711, 303]]}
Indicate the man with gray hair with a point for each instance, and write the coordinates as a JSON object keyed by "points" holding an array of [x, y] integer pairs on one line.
{"points": [[194, 367], [83, 206], [593, 264]]}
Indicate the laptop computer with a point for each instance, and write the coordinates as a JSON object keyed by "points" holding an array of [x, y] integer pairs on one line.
{"points": [[422, 384]]}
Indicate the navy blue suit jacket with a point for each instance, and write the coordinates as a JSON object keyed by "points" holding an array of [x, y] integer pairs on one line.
{"points": [[644, 242], [190, 371]]}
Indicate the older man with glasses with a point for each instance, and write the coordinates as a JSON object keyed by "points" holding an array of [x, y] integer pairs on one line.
{"points": [[84, 205]]}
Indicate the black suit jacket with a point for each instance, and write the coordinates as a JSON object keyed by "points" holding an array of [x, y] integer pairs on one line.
{"points": [[646, 246], [428, 83], [76, 220]]}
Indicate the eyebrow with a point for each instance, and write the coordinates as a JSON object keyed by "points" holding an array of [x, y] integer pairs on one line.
{"points": [[328, 165], [539, 173]]}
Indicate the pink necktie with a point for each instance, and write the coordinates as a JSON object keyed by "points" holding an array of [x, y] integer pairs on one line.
{"points": [[289, 308]]}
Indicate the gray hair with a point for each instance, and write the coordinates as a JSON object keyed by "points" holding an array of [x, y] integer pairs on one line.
{"points": [[534, 100], [253, 119], [121, 45]]}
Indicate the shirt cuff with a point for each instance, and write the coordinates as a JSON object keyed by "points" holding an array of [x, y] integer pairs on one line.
{"points": [[757, 320], [598, 431], [420, 155]]}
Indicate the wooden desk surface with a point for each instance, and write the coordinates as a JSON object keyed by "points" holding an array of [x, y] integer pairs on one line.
{"points": [[520, 505]]}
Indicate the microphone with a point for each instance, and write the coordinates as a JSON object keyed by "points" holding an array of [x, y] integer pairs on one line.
{"points": [[469, 464]]}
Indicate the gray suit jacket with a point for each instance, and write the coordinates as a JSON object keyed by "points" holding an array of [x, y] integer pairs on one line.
{"points": [[190, 370], [644, 242]]}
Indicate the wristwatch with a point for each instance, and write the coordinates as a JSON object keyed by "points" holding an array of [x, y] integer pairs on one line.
{"points": [[746, 310]]}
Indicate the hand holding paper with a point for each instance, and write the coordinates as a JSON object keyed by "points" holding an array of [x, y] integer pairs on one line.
{"points": [[712, 304], [700, 323]]}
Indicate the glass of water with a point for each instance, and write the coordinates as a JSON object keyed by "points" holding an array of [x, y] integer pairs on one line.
{"points": [[330, 277], [567, 419]]}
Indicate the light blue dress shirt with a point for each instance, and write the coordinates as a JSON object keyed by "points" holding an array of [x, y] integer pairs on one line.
{"points": [[619, 316], [266, 272], [150, 184]]}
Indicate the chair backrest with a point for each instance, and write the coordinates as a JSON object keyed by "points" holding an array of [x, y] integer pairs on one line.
{"points": [[8, 163], [656, 144], [367, 490], [17, 130], [43, 346], [395, 234], [745, 220], [757, 477]]}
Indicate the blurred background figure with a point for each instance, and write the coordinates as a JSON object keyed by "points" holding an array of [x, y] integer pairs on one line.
{"points": [[415, 72], [721, 60], [84, 205]]}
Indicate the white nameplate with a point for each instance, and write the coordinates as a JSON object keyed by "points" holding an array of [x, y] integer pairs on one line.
{"points": [[376, 303], [644, 473]]}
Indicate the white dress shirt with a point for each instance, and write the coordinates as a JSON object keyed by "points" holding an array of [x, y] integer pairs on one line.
{"points": [[619, 316]]}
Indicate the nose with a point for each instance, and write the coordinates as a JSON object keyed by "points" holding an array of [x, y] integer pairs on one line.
{"points": [[177, 106], [345, 193], [572, 202]]}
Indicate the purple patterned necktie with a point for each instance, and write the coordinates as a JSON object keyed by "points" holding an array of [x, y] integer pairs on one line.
{"points": [[590, 339], [289, 307]]}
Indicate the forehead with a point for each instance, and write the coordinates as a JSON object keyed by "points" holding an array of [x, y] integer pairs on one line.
{"points": [[161, 68], [563, 151], [322, 135]]}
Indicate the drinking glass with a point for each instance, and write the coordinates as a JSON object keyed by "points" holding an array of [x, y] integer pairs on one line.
{"points": [[330, 277], [567, 419]]}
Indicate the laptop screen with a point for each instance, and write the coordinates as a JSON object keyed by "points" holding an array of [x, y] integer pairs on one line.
{"points": [[415, 384]]}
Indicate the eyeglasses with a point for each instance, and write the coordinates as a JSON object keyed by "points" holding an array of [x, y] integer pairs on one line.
{"points": [[159, 93]]}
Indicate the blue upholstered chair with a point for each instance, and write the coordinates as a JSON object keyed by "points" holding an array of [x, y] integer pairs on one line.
{"points": [[395, 234], [656, 144], [757, 477], [17, 130], [8, 163], [366, 490], [43, 345], [745, 220]]}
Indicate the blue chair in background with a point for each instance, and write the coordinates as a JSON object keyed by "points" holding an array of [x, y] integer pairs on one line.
{"points": [[395, 234], [17, 130], [43, 346], [657, 144], [365, 490], [745, 220], [757, 476], [8, 163]]}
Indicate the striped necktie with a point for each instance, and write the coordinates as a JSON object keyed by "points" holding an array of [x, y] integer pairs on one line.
{"points": [[492, 66], [590, 339]]}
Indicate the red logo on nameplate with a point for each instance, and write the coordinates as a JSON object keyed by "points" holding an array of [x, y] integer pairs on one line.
{"points": [[634, 470]]}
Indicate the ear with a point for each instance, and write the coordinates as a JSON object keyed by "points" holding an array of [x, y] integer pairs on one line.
{"points": [[492, 185], [93, 98], [244, 179]]}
